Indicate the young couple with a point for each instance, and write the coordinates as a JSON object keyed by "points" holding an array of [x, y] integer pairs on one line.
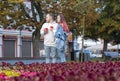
{"points": [[51, 35]]}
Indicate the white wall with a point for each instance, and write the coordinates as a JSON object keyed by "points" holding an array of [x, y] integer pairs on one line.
{"points": [[15, 33]]}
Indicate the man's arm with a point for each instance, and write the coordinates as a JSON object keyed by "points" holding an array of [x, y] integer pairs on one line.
{"points": [[42, 29]]}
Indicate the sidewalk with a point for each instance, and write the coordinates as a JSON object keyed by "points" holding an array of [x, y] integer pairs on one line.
{"points": [[26, 60]]}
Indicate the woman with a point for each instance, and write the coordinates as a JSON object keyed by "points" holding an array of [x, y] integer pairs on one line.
{"points": [[61, 21]]}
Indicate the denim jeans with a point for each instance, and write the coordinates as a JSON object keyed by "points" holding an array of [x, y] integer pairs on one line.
{"points": [[50, 52], [61, 55]]}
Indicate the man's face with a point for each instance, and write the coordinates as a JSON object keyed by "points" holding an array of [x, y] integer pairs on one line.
{"points": [[48, 18]]}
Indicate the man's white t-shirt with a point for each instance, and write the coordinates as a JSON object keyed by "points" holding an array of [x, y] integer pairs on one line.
{"points": [[49, 38]]}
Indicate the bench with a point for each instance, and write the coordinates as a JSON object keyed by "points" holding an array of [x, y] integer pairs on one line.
{"points": [[112, 56]]}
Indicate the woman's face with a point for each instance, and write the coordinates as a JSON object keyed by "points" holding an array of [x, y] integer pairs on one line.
{"points": [[58, 18]]}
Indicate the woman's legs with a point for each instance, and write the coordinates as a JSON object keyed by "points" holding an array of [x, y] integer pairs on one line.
{"points": [[61, 55]]}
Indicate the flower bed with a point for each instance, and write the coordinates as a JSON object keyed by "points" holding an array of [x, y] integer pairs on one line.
{"points": [[72, 71]]}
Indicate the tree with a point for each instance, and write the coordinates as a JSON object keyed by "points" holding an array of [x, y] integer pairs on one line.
{"points": [[86, 8], [36, 33], [74, 16], [56, 6], [109, 22], [7, 14], [14, 14]]}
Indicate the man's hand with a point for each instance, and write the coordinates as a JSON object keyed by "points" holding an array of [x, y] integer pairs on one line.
{"points": [[46, 30]]}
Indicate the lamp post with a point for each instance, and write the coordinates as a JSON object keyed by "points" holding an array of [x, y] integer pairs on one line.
{"points": [[117, 34], [82, 49], [72, 50]]}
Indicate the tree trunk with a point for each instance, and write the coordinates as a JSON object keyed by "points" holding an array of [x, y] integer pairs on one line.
{"points": [[72, 47], [36, 39], [36, 44], [36, 34], [104, 47]]}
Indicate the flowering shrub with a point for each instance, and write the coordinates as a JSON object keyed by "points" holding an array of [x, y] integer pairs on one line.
{"points": [[5, 74], [72, 71]]}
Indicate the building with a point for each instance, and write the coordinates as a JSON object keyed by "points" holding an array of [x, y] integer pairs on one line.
{"points": [[15, 43]]}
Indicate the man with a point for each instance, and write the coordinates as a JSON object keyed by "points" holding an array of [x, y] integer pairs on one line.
{"points": [[48, 31]]}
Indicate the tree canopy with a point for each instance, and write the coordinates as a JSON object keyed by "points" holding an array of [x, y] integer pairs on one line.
{"points": [[102, 18], [109, 21]]}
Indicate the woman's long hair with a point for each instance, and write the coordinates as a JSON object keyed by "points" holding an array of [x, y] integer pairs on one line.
{"points": [[63, 23]]}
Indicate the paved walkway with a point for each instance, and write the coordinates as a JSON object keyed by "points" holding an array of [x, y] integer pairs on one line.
{"points": [[25, 60]]}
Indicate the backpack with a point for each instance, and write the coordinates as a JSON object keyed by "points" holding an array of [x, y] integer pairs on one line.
{"points": [[60, 33], [61, 37]]}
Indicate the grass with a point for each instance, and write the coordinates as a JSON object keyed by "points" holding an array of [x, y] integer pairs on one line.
{"points": [[97, 59]]}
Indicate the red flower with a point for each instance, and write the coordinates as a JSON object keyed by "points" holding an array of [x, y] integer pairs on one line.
{"points": [[2, 74]]}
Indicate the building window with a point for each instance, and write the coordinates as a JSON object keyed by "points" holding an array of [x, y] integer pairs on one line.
{"points": [[26, 48], [9, 48]]}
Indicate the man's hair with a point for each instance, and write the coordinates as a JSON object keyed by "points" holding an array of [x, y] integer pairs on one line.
{"points": [[52, 15]]}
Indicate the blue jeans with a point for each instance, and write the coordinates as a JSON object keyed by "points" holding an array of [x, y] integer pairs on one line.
{"points": [[50, 52], [61, 55]]}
